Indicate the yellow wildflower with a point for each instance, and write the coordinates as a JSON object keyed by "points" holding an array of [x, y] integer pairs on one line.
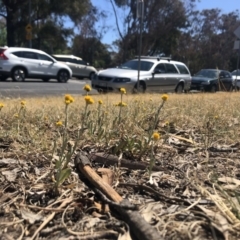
{"points": [[155, 136], [68, 99], [121, 104], [87, 88], [164, 97], [23, 103], [59, 123], [16, 115], [100, 102], [1, 105], [89, 100], [167, 123], [123, 90], [216, 117]]}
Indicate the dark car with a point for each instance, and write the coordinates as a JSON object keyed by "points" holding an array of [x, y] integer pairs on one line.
{"points": [[212, 80]]}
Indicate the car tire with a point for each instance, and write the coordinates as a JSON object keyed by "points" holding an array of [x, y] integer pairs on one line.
{"points": [[63, 76], [213, 89], [179, 88], [18, 74], [46, 79]]}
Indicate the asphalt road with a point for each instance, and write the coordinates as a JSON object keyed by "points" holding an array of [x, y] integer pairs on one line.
{"points": [[38, 88]]}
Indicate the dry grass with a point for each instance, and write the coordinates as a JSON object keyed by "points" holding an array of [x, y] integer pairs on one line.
{"points": [[196, 197]]}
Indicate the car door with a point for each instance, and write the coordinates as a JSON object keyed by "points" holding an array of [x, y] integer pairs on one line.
{"points": [[82, 68], [223, 81], [30, 60], [158, 80], [46, 65], [172, 77]]}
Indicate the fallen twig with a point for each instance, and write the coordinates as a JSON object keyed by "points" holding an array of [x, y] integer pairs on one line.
{"points": [[111, 160], [139, 227]]}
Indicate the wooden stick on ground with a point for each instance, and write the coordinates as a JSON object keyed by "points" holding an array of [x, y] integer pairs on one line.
{"points": [[139, 227]]}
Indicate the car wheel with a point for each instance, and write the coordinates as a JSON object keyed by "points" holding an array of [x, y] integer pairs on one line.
{"points": [[141, 88], [179, 88], [46, 79], [18, 74], [63, 76], [213, 88]]}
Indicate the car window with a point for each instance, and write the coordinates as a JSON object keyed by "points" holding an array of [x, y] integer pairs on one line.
{"points": [[133, 65], [29, 55], [44, 57], [18, 54], [81, 62], [160, 67], [222, 74], [227, 74], [182, 69], [170, 68]]}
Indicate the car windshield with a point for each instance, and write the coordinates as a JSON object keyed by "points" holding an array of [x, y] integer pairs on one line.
{"points": [[133, 65], [236, 73], [207, 73]]}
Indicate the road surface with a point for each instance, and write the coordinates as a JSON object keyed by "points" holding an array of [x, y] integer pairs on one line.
{"points": [[38, 88]]}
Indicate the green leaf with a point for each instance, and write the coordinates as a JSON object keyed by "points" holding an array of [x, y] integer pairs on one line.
{"points": [[64, 174]]}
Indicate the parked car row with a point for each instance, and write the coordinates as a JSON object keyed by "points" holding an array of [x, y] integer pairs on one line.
{"points": [[152, 73], [20, 63], [162, 74]]}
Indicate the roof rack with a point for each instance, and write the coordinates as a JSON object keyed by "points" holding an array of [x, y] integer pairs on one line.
{"points": [[155, 57]]}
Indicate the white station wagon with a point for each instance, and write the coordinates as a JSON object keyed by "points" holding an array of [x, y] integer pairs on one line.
{"points": [[156, 74]]}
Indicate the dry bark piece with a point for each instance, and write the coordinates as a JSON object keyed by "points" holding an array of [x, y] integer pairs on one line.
{"points": [[110, 160], [139, 227]]}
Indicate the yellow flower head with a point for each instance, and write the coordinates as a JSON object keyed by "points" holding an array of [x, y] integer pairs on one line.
{"points": [[88, 100], [167, 123], [1, 105], [68, 99], [155, 136], [16, 115], [216, 117], [123, 90], [100, 102], [59, 123], [23, 103], [87, 88], [121, 104], [164, 97]]}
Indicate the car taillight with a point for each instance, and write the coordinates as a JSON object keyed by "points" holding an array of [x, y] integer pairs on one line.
{"points": [[2, 55]]}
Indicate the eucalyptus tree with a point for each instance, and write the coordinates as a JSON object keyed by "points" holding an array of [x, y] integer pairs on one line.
{"points": [[162, 25], [47, 17]]}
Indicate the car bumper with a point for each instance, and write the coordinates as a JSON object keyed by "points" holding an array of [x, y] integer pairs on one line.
{"points": [[5, 73], [112, 87]]}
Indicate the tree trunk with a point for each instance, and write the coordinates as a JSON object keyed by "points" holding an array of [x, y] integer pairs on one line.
{"points": [[10, 28]]}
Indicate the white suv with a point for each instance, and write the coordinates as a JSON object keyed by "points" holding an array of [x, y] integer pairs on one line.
{"points": [[20, 63]]}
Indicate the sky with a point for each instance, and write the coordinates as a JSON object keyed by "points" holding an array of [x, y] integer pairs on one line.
{"points": [[225, 5]]}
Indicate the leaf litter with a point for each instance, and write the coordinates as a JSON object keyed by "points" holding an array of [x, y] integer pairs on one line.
{"points": [[195, 195]]}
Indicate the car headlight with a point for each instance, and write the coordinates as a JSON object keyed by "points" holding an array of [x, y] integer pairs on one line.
{"points": [[121, 80]]}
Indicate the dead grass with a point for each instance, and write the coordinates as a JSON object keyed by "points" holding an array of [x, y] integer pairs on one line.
{"points": [[196, 196]]}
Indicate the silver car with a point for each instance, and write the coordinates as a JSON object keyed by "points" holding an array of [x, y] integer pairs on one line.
{"points": [[156, 74], [80, 68]]}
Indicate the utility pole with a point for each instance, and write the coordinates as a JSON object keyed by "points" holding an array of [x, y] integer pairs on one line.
{"points": [[140, 13], [29, 24]]}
